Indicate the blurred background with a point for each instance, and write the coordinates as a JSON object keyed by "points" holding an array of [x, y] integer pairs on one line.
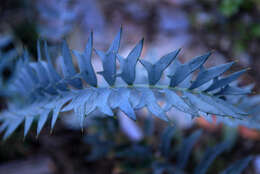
{"points": [[229, 27]]}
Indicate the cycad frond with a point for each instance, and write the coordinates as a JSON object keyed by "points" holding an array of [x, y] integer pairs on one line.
{"points": [[46, 92]]}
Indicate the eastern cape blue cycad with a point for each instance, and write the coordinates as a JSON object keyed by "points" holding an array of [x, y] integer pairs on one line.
{"points": [[45, 92]]}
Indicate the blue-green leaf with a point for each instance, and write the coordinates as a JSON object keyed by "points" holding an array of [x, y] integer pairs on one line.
{"points": [[202, 105], [238, 167], [150, 101], [209, 74], [79, 109], [12, 126], [218, 83], [26, 81], [136, 99], [231, 106], [109, 68], [42, 120], [84, 61], [149, 126], [186, 147], [129, 64], [155, 70], [166, 138], [109, 60], [79, 104], [60, 103], [227, 108], [173, 100], [119, 98], [165, 61], [116, 43], [68, 68], [3, 126], [28, 124], [232, 90], [209, 156], [53, 75], [31, 75], [99, 100], [42, 74], [184, 70], [71, 104]]}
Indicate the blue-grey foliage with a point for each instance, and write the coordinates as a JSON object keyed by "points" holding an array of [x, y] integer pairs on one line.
{"points": [[218, 83], [238, 166], [210, 156], [45, 93], [185, 151], [128, 64], [186, 147], [176, 153], [166, 139], [209, 74], [109, 60], [84, 61], [184, 70], [155, 70]]}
